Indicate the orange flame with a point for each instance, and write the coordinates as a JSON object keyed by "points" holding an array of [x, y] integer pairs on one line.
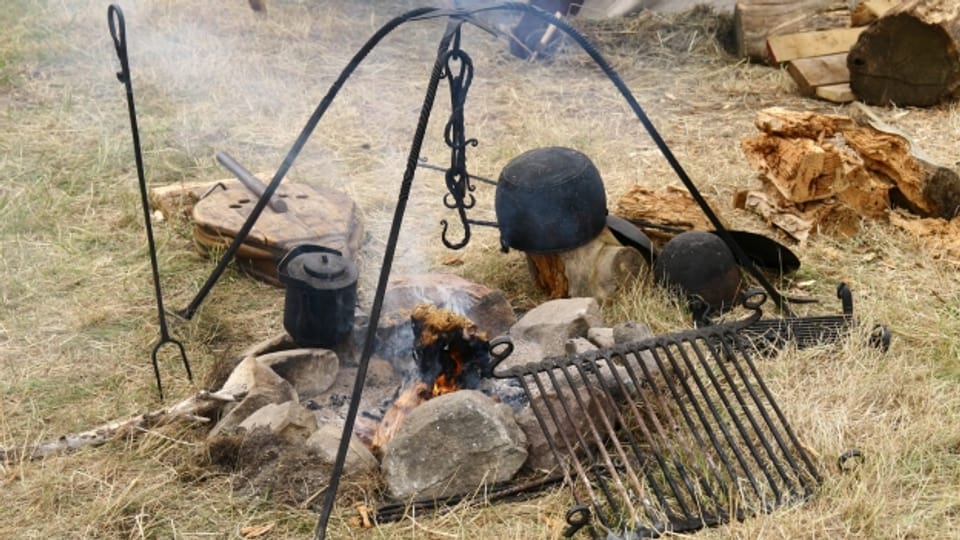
{"points": [[445, 384]]}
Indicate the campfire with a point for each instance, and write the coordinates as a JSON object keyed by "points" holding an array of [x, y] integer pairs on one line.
{"points": [[450, 353]]}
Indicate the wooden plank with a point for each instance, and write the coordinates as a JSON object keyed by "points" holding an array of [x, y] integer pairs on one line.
{"points": [[756, 20], [837, 93], [821, 43], [809, 73]]}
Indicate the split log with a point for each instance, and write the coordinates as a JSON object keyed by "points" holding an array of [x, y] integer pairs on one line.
{"points": [[664, 213], [867, 11], [910, 56], [756, 20], [189, 409], [811, 162], [596, 269]]}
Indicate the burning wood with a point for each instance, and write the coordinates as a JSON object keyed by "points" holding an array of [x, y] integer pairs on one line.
{"points": [[450, 354]]}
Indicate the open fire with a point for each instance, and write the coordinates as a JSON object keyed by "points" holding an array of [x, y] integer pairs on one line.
{"points": [[450, 354]]}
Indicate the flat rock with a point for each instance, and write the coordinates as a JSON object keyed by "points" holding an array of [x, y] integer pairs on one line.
{"points": [[453, 444], [631, 331], [290, 421], [601, 337], [326, 443], [552, 323], [310, 371], [262, 386]]}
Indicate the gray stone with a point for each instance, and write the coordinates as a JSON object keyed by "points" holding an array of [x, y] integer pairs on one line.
{"points": [[524, 352], [601, 337], [326, 443], [310, 371], [574, 420], [452, 444], [289, 421], [631, 331], [261, 385], [578, 345], [552, 323]]}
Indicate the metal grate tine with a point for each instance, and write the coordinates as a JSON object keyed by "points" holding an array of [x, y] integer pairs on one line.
{"points": [[682, 432]]}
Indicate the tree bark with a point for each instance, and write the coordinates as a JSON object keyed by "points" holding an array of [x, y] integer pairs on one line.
{"points": [[910, 56]]}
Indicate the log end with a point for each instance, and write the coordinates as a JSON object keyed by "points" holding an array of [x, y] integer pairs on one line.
{"points": [[904, 61]]}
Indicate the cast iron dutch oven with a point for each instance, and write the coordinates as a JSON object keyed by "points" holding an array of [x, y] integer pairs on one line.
{"points": [[550, 200], [321, 295]]}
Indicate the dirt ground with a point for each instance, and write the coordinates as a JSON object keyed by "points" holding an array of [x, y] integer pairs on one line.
{"points": [[77, 312]]}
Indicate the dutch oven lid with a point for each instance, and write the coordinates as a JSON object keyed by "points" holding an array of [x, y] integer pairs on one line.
{"points": [[317, 267]]}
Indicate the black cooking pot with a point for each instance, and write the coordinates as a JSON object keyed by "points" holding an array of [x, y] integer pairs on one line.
{"points": [[550, 200], [321, 295], [699, 264]]}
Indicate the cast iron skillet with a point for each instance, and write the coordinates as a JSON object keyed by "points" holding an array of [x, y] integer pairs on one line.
{"points": [[765, 252]]}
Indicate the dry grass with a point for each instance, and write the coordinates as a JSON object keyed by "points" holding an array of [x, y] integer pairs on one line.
{"points": [[77, 317]]}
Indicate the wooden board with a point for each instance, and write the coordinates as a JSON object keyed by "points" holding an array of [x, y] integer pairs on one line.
{"points": [[804, 44], [757, 20], [314, 215], [810, 73], [837, 93]]}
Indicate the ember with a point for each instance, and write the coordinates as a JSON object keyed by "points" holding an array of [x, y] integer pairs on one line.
{"points": [[449, 351]]}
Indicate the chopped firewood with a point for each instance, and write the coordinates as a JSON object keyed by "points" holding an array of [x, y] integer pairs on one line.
{"points": [[672, 209], [757, 20], [818, 169], [807, 44], [811, 73], [837, 93], [909, 56], [596, 269], [867, 11], [938, 238]]}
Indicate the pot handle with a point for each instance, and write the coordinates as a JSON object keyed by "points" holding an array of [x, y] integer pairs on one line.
{"points": [[300, 249], [499, 348]]}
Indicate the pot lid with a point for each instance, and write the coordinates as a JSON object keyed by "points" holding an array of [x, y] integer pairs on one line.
{"points": [[317, 267]]}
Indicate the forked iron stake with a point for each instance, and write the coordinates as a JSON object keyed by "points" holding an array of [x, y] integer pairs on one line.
{"points": [[118, 32]]}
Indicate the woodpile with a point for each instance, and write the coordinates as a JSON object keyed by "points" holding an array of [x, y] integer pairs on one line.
{"points": [[902, 52], [825, 173]]}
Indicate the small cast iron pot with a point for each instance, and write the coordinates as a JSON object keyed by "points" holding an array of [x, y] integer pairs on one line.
{"points": [[550, 200], [699, 264], [321, 295]]}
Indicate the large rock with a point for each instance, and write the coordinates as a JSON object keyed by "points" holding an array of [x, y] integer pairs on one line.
{"points": [[551, 324], [488, 309], [451, 445]]}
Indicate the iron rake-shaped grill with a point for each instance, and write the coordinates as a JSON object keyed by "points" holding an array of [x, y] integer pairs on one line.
{"points": [[673, 433]]}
